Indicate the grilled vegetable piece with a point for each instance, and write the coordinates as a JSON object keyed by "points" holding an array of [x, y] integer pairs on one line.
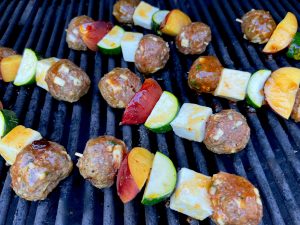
{"points": [[191, 121], [294, 49], [296, 108], [91, 33], [191, 195], [27, 69], [5, 52], [129, 45], [163, 113], [41, 71], [17, 139], [157, 19], [10, 66], [8, 120], [162, 180], [141, 105], [281, 89], [233, 84], [255, 93], [174, 21], [143, 15], [283, 34]]}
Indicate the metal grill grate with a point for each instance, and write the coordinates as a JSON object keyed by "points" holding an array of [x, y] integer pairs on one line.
{"points": [[270, 161]]}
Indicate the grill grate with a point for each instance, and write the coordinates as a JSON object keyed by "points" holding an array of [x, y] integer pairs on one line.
{"points": [[270, 161]]}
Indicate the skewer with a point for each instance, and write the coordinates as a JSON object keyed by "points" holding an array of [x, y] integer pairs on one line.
{"points": [[206, 43], [239, 20], [78, 154]]}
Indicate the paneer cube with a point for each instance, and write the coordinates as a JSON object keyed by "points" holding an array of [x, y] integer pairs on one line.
{"points": [[190, 122], [143, 15], [191, 195], [41, 71], [15, 141], [233, 84], [129, 45]]}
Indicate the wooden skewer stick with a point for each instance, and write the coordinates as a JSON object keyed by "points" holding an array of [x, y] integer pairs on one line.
{"points": [[239, 20], [78, 154], [206, 43]]}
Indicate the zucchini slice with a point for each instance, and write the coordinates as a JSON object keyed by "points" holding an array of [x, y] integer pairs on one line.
{"points": [[157, 19], [8, 120], [111, 42]]}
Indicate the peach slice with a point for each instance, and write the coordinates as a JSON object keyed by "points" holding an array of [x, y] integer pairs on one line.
{"points": [[9, 67]]}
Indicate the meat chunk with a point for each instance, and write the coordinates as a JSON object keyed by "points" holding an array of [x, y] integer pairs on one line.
{"points": [[296, 109], [1, 105], [119, 86], [226, 132], [5, 52], [101, 160], [258, 26], [66, 81], [235, 200], [38, 169], [152, 54], [193, 38], [124, 9], [205, 74], [73, 37]]}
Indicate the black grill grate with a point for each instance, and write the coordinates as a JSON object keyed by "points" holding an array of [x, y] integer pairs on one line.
{"points": [[270, 161]]}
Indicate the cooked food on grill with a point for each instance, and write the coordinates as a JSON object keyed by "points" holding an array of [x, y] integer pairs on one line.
{"points": [[143, 15], [129, 44], [119, 86], [205, 74], [157, 20], [73, 37], [296, 109], [227, 132], [5, 52], [258, 26], [66, 81], [9, 67], [111, 42], [294, 48], [152, 54], [174, 21], [38, 169], [42, 68], [142, 103], [283, 34], [234, 200], [101, 160], [193, 38], [1, 105], [124, 9], [8, 121], [133, 173]]}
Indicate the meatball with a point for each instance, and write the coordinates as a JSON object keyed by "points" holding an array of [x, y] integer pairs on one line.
{"points": [[226, 132], [1, 105], [119, 86], [296, 109], [205, 74], [124, 9], [5, 52], [73, 37], [66, 81], [101, 160], [193, 38], [258, 26], [38, 169], [234, 200], [152, 54]]}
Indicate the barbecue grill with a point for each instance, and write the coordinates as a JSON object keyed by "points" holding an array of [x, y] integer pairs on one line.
{"points": [[271, 161]]}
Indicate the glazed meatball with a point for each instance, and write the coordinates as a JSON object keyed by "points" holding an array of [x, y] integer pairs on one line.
{"points": [[73, 37], [152, 54], [234, 200], [296, 109], [38, 169], [193, 38], [66, 81], [5, 52], [226, 132], [119, 86], [124, 9], [101, 160], [205, 74], [258, 26]]}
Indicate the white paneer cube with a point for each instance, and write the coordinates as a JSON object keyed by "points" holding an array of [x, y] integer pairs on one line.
{"points": [[233, 84], [15, 141], [129, 45], [41, 71], [190, 123], [191, 195], [143, 15]]}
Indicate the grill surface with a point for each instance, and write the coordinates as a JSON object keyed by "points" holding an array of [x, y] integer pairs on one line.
{"points": [[270, 161]]}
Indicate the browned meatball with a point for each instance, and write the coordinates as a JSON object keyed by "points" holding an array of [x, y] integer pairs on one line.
{"points": [[5, 52], [258, 26], [193, 38], [296, 109], [124, 9], [205, 74], [226, 132], [1, 105], [101, 160], [152, 54], [234, 200], [73, 37], [119, 86], [66, 81], [38, 169]]}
